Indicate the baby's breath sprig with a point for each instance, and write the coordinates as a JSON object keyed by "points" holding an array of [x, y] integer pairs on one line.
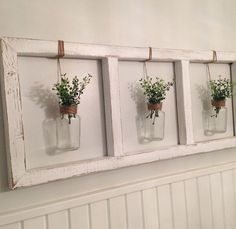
{"points": [[221, 89], [155, 90]]}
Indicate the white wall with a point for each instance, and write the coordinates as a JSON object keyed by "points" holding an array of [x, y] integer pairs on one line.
{"points": [[189, 24]]}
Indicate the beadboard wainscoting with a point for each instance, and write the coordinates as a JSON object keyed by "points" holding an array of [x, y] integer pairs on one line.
{"points": [[198, 199]]}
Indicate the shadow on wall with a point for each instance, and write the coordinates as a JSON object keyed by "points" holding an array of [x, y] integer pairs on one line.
{"points": [[46, 100], [207, 121], [138, 97], [3, 160]]}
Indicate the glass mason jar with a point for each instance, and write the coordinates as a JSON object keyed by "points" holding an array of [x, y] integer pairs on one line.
{"points": [[155, 122], [220, 115], [68, 129], [209, 123]]}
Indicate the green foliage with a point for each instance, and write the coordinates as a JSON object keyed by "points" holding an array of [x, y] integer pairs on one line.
{"points": [[155, 89], [221, 88], [69, 93]]}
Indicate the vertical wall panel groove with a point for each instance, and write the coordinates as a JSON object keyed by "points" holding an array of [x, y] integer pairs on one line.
{"points": [[178, 205], [99, 217], [171, 204], [118, 217], [165, 211], [39, 222], [150, 209], [79, 217], [158, 210], [217, 201], [192, 204], [108, 214], [134, 210], [210, 192], [58, 220], [205, 202], [185, 200], [229, 202]]}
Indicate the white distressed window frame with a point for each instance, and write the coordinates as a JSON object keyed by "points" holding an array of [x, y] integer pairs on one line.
{"points": [[19, 176]]}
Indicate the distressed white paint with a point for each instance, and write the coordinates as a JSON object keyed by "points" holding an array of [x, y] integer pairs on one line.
{"points": [[233, 77], [112, 106], [184, 105], [27, 47], [12, 47]]}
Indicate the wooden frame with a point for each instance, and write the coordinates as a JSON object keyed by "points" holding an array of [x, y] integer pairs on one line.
{"points": [[19, 176]]}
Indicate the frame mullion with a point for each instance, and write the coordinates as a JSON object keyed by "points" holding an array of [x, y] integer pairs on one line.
{"points": [[233, 77], [184, 106], [112, 106]]}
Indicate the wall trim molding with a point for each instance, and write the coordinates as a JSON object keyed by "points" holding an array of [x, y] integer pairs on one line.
{"points": [[75, 201]]}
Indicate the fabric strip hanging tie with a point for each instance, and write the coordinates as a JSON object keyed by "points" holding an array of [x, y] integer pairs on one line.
{"points": [[145, 61], [61, 54]]}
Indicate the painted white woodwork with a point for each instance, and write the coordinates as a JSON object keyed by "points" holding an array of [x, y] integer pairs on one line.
{"points": [[192, 204], [205, 202], [165, 207], [134, 207], [117, 209], [152, 203], [201, 99], [12, 112], [184, 105], [30, 47], [233, 77], [39, 222], [99, 215], [79, 217], [20, 175], [134, 110], [12, 226], [58, 220], [229, 199], [112, 106], [179, 205], [150, 209], [217, 201]]}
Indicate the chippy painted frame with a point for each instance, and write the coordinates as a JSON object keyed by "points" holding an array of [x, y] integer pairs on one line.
{"points": [[11, 48]]}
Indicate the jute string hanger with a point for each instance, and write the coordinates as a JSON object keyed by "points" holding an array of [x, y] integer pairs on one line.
{"points": [[145, 62], [61, 54], [214, 60]]}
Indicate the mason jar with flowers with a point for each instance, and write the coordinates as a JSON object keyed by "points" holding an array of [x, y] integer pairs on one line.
{"points": [[155, 91], [221, 89], [69, 123]]}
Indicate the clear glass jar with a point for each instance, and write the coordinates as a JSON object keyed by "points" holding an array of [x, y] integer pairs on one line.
{"points": [[215, 119], [68, 129], [221, 120], [209, 123], [155, 123], [220, 115]]}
